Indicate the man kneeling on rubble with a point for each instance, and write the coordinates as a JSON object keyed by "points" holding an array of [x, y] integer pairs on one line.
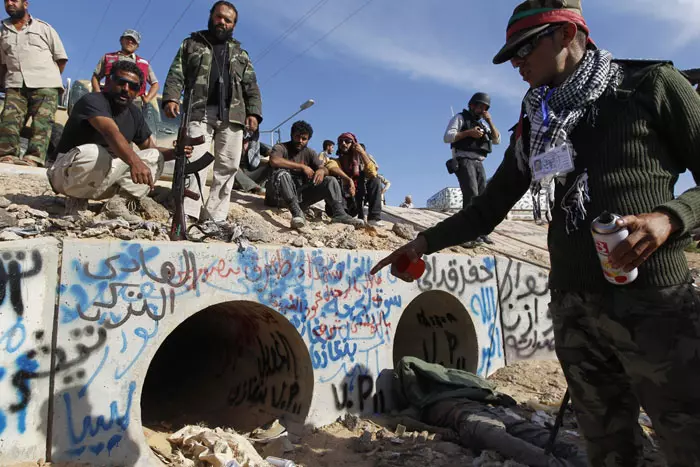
{"points": [[300, 179], [95, 158]]}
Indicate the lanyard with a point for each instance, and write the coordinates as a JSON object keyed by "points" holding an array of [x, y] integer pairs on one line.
{"points": [[545, 114]]}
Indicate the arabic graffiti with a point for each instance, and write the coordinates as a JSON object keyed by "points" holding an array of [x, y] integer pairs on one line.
{"points": [[22, 269], [456, 278], [527, 323]]}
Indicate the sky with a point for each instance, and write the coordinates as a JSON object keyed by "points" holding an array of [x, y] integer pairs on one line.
{"points": [[389, 71]]}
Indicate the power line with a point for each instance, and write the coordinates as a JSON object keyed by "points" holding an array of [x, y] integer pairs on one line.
{"points": [[290, 30], [171, 31], [348, 18], [94, 37], [143, 14]]}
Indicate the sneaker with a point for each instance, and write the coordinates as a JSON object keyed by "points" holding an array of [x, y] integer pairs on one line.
{"points": [[118, 206], [74, 206], [376, 223], [298, 222], [346, 219]]}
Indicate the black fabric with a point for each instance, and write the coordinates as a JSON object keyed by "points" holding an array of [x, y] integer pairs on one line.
{"points": [[285, 189], [472, 179], [79, 131], [219, 80], [370, 190], [481, 146]]}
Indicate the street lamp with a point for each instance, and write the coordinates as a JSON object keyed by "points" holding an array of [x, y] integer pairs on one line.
{"points": [[302, 107]]}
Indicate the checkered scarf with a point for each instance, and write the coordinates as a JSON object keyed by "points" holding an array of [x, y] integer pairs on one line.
{"points": [[566, 105]]}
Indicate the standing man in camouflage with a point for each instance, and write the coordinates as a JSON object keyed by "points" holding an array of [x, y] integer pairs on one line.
{"points": [[130, 42], [225, 102], [32, 59], [623, 131]]}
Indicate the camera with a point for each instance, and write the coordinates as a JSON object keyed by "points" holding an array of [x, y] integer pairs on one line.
{"points": [[487, 130]]}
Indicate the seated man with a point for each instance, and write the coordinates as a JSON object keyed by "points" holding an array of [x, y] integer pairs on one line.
{"points": [[299, 179], [95, 159], [357, 164], [253, 171]]}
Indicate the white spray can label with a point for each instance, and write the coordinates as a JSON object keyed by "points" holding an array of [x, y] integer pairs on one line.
{"points": [[607, 235]]}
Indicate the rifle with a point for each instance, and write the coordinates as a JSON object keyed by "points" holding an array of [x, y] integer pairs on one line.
{"points": [[184, 168]]}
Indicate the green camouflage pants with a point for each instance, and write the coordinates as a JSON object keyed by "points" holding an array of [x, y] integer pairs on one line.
{"points": [[41, 105], [630, 347]]}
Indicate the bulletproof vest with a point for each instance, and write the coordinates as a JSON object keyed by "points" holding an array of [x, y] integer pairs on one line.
{"points": [[480, 146]]}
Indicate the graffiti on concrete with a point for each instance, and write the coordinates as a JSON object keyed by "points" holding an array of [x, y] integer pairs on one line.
{"points": [[527, 323], [458, 277], [28, 279]]}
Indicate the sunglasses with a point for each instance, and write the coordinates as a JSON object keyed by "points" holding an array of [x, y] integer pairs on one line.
{"points": [[346, 141], [126, 82], [527, 48]]}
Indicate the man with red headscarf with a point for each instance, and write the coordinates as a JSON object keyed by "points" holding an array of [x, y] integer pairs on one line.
{"points": [[604, 135], [359, 166]]}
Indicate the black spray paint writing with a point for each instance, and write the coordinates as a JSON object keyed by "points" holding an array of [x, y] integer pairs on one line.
{"points": [[11, 276], [453, 278], [363, 390], [523, 319], [433, 349], [282, 396], [435, 321], [276, 357]]}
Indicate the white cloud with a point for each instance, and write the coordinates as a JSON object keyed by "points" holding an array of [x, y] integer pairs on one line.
{"points": [[684, 15], [409, 37]]}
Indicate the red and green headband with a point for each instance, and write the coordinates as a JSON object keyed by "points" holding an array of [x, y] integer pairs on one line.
{"points": [[537, 17]]}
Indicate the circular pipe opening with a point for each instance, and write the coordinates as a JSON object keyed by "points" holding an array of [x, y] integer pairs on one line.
{"points": [[437, 328], [237, 364]]}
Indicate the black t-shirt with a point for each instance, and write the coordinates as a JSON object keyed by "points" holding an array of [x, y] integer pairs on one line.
{"points": [[79, 131], [219, 78], [306, 156]]}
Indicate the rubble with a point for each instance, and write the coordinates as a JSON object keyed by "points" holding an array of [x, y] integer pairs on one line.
{"points": [[404, 231]]}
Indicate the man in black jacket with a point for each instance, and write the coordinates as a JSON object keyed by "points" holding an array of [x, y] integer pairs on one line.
{"points": [[610, 135]]}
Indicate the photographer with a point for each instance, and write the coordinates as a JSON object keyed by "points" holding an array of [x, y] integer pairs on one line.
{"points": [[471, 140]]}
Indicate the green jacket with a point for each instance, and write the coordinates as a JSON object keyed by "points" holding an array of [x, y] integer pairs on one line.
{"points": [[193, 61]]}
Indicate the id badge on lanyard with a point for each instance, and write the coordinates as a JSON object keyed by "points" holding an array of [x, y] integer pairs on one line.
{"points": [[555, 161]]}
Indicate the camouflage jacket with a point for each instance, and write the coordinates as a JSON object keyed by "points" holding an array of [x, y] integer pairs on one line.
{"points": [[193, 62]]}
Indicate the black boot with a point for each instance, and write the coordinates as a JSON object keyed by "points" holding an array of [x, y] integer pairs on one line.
{"points": [[298, 219]]}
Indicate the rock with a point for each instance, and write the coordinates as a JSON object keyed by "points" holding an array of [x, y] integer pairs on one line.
{"points": [[9, 236], [7, 220], [277, 447], [110, 224], [404, 231], [400, 430], [299, 242], [38, 213], [347, 243], [94, 232], [422, 437], [4, 202], [153, 210], [63, 223], [158, 442], [26, 222], [13, 208], [351, 421], [125, 234], [363, 443], [142, 234], [318, 244]]}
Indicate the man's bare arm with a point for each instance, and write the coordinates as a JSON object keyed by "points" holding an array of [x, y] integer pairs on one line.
{"points": [[95, 84], [61, 65], [152, 92], [279, 162], [120, 147]]}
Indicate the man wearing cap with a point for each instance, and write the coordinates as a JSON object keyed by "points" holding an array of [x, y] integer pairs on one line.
{"points": [[130, 42], [605, 135], [32, 59], [471, 134]]}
